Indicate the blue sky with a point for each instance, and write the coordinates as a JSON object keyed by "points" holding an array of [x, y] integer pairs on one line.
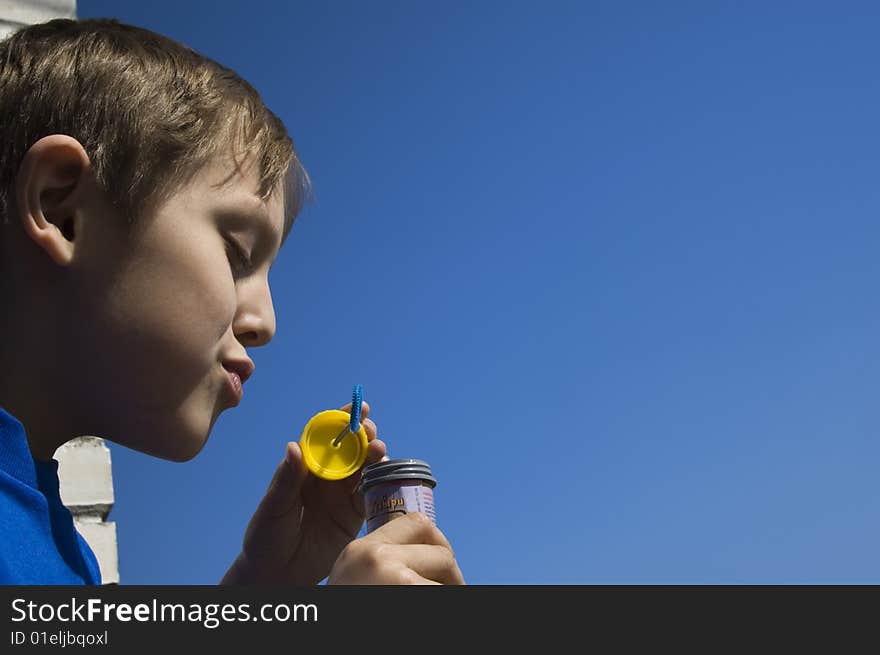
{"points": [[609, 267]]}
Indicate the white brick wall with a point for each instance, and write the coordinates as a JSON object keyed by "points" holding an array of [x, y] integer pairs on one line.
{"points": [[86, 476], [16, 13]]}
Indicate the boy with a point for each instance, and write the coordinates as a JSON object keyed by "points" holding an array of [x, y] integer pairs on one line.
{"points": [[145, 191]]}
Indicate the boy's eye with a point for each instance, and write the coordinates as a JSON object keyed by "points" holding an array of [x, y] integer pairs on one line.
{"points": [[239, 259]]}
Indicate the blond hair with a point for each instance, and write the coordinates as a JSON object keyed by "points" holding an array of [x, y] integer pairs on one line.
{"points": [[149, 112]]}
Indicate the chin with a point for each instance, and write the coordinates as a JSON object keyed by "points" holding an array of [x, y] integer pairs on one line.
{"points": [[183, 456], [185, 447], [176, 445]]}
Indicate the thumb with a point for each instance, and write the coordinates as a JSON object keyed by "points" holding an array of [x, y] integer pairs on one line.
{"points": [[274, 530], [283, 494]]}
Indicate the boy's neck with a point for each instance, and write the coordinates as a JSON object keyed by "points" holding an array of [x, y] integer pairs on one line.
{"points": [[28, 385], [43, 438]]}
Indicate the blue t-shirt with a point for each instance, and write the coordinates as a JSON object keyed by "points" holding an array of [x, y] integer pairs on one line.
{"points": [[39, 544]]}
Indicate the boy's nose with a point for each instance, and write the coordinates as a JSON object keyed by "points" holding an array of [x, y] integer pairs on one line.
{"points": [[254, 323]]}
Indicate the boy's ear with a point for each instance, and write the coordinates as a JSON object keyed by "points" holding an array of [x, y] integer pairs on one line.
{"points": [[49, 190]]}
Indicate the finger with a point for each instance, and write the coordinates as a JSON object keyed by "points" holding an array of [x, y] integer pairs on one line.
{"points": [[414, 528], [277, 519], [434, 563], [369, 425], [376, 451], [284, 489], [413, 578], [371, 428], [365, 409], [424, 581]]}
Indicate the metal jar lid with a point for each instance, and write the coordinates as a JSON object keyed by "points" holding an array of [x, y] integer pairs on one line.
{"points": [[395, 470]]}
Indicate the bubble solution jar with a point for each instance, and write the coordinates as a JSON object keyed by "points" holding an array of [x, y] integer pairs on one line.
{"points": [[396, 487]]}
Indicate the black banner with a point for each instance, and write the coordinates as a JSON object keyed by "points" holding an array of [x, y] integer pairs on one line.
{"points": [[258, 619]]}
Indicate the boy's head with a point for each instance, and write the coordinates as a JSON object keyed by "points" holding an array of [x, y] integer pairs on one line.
{"points": [[144, 193], [149, 111]]}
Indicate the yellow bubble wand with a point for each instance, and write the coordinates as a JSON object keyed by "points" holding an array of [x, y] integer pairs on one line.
{"points": [[326, 450]]}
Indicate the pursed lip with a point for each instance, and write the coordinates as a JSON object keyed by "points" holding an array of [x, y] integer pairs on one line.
{"points": [[234, 387], [237, 373]]}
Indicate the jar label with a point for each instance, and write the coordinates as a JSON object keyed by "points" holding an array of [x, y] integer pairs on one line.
{"points": [[387, 501]]}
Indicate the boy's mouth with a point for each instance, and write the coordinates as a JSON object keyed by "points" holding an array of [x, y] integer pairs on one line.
{"points": [[237, 371], [243, 368], [233, 387]]}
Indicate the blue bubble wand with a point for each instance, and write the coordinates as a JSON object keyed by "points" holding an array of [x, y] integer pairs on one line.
{"points": [[357, 398]]}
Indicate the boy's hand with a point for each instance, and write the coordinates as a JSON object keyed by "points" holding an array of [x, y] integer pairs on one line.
{"points": [[303, 522], [406, 550]]}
